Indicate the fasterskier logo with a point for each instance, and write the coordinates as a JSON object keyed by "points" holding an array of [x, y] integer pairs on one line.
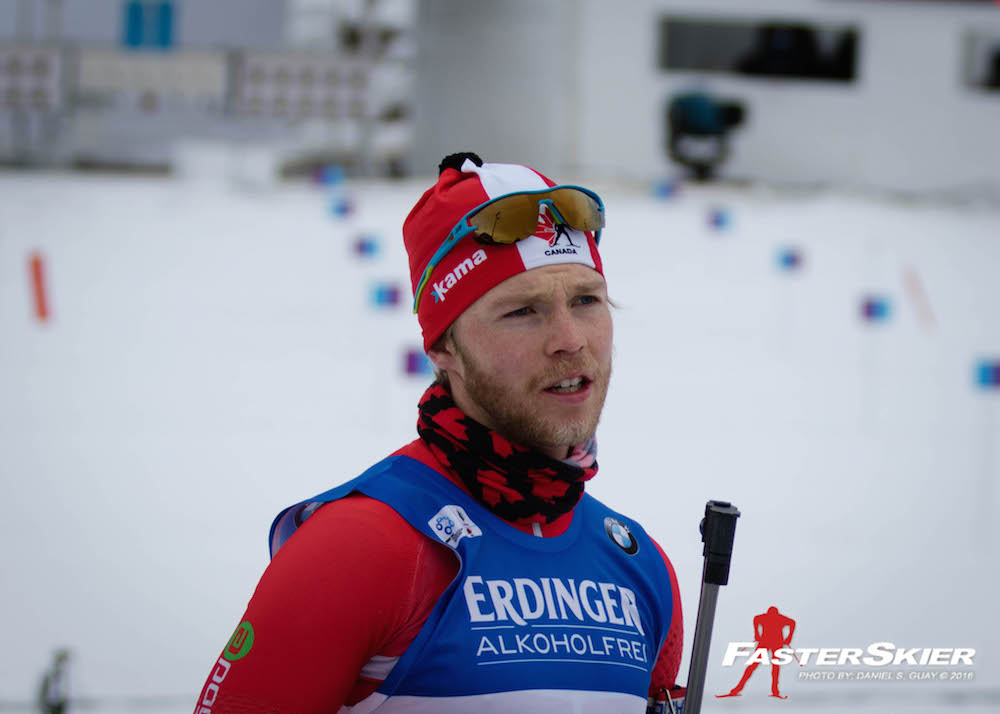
{"points": [[619, 533], [451, 524], [451, 279], [773, 632]]}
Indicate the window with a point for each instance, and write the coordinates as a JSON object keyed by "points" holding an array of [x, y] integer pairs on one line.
{"points": [[148, 24], [763, 49], [982, 61]]}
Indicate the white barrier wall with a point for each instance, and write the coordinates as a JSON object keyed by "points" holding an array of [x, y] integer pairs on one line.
{"points": [[575, 83], [491, 79], [907, 122]]}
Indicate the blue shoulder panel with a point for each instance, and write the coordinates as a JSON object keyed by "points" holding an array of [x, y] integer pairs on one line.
{"points": [[289, 520]]}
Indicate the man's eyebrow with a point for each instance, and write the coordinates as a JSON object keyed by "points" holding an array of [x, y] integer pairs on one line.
{"points": [[590, 286]]}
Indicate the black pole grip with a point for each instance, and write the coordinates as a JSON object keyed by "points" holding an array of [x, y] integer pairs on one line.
{"points": [[718, 529]]}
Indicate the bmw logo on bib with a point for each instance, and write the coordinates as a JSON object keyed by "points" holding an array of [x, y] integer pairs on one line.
{"points": [[621, 535]]}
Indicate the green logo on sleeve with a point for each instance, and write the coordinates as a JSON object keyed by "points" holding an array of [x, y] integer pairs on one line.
{"points": [[240, 643]]}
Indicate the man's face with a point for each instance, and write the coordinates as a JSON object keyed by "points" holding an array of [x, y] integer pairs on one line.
{"points": [[514, 345]]}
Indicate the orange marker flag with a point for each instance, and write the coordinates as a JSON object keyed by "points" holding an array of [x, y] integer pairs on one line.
{"points": [[37, 267]]}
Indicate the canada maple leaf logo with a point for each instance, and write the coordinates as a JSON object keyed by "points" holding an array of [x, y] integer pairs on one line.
{"points": [[546, 227], [550, 230]]}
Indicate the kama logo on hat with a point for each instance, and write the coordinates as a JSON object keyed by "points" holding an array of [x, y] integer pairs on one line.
{"points": [[621, 535], [461, 270]]}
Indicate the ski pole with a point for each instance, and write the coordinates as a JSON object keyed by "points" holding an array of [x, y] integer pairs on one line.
{"points": [[718, 529]]}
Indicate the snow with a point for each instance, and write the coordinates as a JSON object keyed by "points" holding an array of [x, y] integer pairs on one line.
{"points": [[213, 356]]}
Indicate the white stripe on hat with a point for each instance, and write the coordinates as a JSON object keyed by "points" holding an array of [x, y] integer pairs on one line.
{"points": [[501, 179], [571, 247]]}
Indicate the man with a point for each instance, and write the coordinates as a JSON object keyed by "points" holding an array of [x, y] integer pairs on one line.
{"points": [[469, 571], [53, 693]]}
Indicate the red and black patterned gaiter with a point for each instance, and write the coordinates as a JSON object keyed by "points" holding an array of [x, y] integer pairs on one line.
{"points": [[513, 481]]}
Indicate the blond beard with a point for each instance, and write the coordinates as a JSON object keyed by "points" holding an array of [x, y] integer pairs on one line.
{"points": [[513, 419]]}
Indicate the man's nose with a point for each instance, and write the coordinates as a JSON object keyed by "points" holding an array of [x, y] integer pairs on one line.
{"points": [[565, 333]]}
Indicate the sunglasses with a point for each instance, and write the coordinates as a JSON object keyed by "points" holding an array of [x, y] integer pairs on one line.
{"points": [[513, 217]]}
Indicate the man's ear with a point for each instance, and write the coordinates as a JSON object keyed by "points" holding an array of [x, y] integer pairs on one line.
{"points": [[443, 354]]}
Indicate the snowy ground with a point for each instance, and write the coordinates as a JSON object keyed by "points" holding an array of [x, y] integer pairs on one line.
{"points": [[213, 356]]}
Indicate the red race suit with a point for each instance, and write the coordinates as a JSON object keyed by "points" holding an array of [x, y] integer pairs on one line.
{"points": [[341, 602]]}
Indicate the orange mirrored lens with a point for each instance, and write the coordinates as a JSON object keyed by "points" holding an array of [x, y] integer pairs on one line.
{"points": [[510, 219], [514, 218], [580, 210]]}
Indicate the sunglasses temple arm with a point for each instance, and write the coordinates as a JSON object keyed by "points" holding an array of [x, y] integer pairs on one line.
{"points": [[555, 211], [460, 231], [420, 288]]}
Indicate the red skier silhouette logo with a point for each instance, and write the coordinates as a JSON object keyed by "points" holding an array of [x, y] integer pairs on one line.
{"points": [[551, 230], [769, 633]]}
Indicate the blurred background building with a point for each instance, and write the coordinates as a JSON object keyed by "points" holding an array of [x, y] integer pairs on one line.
{"points": [[844, 91], [131, 84]]}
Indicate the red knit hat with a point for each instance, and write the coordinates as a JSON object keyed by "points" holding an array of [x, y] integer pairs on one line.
{"points": [[471, 269]]}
